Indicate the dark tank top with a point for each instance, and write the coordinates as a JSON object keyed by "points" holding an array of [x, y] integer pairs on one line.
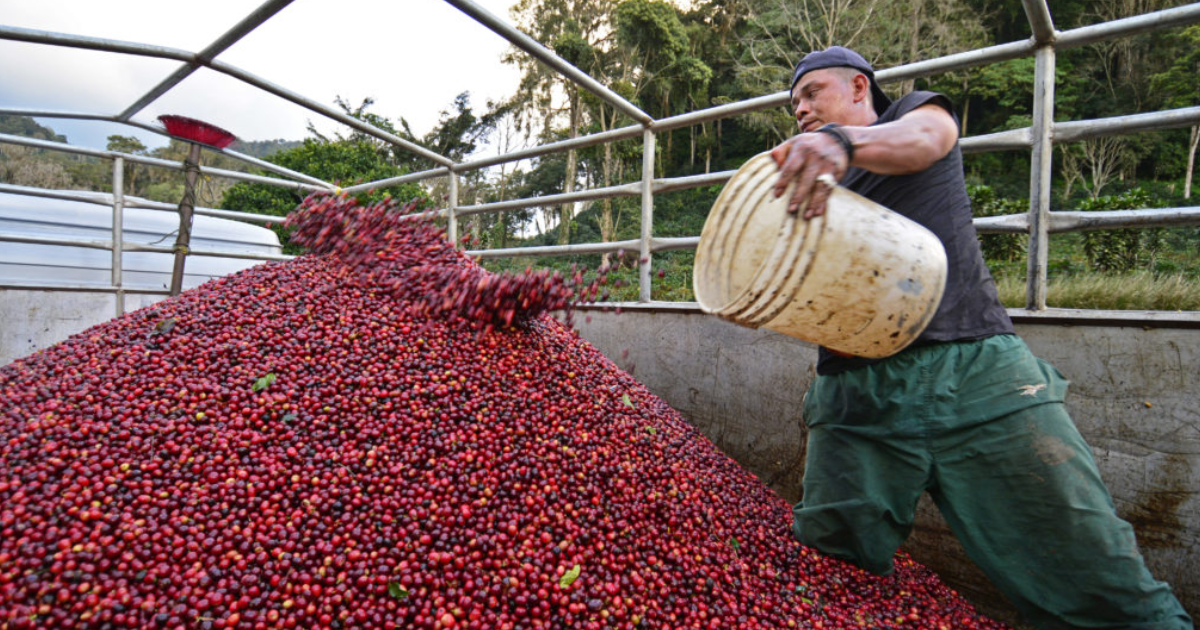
{"points": [[937, 199]]}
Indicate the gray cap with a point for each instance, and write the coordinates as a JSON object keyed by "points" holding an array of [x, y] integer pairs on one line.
{"points": [[841, 57]]}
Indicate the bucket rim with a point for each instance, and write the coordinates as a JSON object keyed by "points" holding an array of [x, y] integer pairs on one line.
{"points": [[715, 236], [756, 199]]}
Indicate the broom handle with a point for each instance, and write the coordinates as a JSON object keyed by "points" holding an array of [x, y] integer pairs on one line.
{"points": [[191, 167]]}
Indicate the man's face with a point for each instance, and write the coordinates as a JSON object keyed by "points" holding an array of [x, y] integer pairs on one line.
{"points": [[823, 96]]}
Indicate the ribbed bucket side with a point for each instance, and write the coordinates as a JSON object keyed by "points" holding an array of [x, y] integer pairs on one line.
{"points": [[875, 281], [734, 244], [860, 279]]}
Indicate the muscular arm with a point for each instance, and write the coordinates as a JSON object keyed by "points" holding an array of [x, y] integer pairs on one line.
{"points": [[908, 145]]}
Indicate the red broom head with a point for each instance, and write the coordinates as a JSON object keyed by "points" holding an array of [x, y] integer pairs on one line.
{"points": [[197, 131]]}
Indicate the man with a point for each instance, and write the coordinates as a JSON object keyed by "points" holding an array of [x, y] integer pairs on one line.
{"points": [[965, 413]]}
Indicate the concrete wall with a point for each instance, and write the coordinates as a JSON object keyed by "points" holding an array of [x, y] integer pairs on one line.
{"points": [[32, 320], [1135, 396]]}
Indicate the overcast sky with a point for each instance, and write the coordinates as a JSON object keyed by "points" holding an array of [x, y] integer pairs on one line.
{"points": [[412, 56]]}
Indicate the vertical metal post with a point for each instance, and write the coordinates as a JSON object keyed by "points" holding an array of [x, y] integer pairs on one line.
{"points": [[647, 215], [183, 239], [452, 206], [1039, 178], [118, 231]]}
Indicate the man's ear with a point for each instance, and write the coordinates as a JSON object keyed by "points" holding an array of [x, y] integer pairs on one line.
{"points": [[862, 87]]}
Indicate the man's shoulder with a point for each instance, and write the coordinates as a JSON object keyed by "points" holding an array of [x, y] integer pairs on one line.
{"points": [[913, 100]]}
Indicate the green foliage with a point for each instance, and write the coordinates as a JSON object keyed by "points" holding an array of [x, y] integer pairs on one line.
{"points": [[133, 172], [652, 27], [166, 191], [986, 203], [1006, 91], [459, 130], [262, 148], [572, 47], [1126, 249], [1003, 94], [671, 276], [673, 79], [1177, 85], [28, 128], [125, 144], [683, 213]]}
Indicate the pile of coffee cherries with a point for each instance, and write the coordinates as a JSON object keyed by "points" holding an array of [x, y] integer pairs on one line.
{"points": [[383, 435]]}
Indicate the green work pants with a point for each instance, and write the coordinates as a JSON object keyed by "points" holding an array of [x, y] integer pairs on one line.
{"points": [[981, 426]]}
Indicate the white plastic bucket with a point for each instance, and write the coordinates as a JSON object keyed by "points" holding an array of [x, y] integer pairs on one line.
{"points": [[860, 279]]}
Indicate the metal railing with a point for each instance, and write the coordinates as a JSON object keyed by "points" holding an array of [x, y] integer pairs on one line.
{"points": [[1039, 139]]}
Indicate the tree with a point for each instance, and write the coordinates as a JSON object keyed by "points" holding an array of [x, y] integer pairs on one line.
{"points": [[711, 34], [1006, 89], [1097, 160], [23, 167], [357, 157], [459, 131], [19, 166], [576, 30], [886, 32], [504, 223], [934, 28], [457, 134], [669, 78], [1126, 61], [776, 33], [658, 42], [131, 146], [638, 48], [1178, 87]]}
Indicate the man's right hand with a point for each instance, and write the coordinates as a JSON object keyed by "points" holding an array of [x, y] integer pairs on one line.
{"points": [[802, 159]]}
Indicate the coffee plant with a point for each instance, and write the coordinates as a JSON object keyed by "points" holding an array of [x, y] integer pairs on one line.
{"points": [[1124, 249], [986, 203]]}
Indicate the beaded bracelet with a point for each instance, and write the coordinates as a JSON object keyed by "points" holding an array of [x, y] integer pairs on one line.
{"points": [[836, 131]]}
